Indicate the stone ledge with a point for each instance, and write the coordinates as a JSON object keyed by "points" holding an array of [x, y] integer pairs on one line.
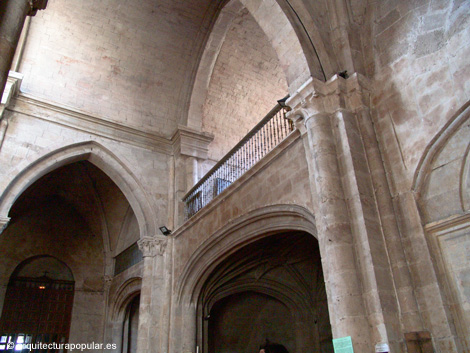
{"points": [[233, 188], [30, 106], [190, 142], [449, 225]]}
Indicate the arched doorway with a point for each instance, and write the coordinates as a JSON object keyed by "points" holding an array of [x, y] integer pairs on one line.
{"points": [[272, 289], [38, 304], [130, 326], [75, 213]]}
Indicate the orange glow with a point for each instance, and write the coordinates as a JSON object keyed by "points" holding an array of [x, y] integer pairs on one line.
{"points": [[42, 287]]}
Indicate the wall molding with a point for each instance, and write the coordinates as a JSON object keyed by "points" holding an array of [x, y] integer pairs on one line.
{"points": [[77, 120], [449, 225]]}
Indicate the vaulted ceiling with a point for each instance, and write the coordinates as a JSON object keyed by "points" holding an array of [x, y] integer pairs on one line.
{"points": [[126, 61]]}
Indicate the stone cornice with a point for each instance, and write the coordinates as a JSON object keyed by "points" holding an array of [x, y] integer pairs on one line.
{"points": [[77, 120], [185, 141], [12, 87], [317, 97], [152, 246], [189, 142]]}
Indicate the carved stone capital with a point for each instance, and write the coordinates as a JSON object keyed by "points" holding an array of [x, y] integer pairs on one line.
{"points": [[3, 223], [151, 246], [315, 97], [108, 280]]}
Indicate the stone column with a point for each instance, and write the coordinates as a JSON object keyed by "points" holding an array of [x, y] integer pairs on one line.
{"points": [[336, 243], [190, 329], [343, 283], [357, 256], [12, 16], [153, 249]]}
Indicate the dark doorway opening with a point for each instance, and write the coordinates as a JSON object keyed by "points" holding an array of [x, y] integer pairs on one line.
{"points": [[37, 309], [131, 326], [248, 318], [272, 289]]}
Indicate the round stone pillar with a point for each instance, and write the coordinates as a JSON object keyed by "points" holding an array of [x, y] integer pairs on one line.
{"points": [[12, 16], [343, 284]]}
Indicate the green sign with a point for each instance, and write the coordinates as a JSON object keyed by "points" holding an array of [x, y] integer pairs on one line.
{"points": [[343, 345]]}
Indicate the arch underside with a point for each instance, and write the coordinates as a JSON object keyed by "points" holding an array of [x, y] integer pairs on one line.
{"points": [[285, 268], [244, 230], [27, 173], [442, 189], [299, 48]]}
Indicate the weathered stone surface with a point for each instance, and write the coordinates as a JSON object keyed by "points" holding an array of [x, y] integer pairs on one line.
{"points": [[378, 173]]}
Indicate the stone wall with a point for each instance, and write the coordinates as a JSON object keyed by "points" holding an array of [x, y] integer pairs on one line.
{"points": [[57, 231], [239, 320], [35, 131], [421, 72], [114, 59], [444, 193], [246, 82], [282, 180]]}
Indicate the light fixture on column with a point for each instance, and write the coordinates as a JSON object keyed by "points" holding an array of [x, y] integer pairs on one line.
{"points": [[165, 231]]}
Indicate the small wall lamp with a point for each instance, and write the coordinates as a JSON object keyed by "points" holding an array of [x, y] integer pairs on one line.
{"points": [[165, 231]]}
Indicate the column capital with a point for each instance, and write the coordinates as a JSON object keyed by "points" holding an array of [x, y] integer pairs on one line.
{"points": [[12, 87], [108, 280], [316, 97], [151, 246], [3, 223]]}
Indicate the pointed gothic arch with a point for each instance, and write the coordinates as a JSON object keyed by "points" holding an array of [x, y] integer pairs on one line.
{"points": [[123, 296], [242, 231], [434, 148], [441, 188], [28, 172], [300, 48], [226, 251]]}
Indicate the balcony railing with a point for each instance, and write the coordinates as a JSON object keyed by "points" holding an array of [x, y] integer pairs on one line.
{"points": [[266, 135]]}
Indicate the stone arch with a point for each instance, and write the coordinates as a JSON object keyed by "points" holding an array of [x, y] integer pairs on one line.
{"points": [[279, 292], [465, 181], [123, 296], [77, 276], [240, 232], [64, 271], [120, 301], [299, 57], [434, 148], [442, 190], [25, 174], [273, 296]]}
